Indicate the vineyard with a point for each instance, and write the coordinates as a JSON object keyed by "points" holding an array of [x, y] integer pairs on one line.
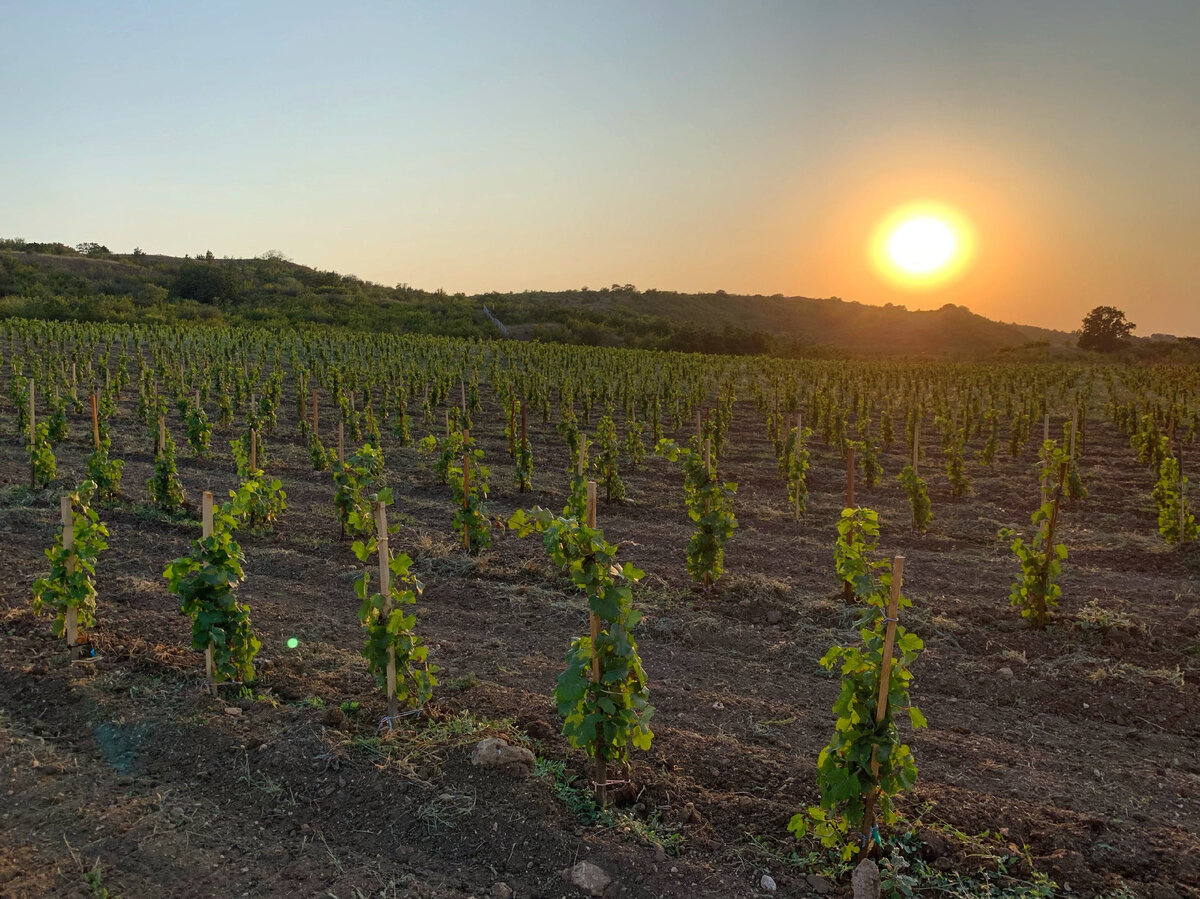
{"points": [[306, 612]]}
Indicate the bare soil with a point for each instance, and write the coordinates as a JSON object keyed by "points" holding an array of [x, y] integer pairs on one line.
{"points": [[1071, 752]]}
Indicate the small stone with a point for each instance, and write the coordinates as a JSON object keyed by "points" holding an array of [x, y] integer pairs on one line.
{"points": [[865, 880], [501, 891], [818, 884], [515, 761], [1005, 672], [774, 616], [767, 883], [334, 717], [232, 710], [660, 854], [588, 877]]}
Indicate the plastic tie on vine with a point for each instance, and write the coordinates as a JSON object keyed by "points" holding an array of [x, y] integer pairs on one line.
{"points": [[84, 652], [388, 722], [872, 836], [887, 620]]}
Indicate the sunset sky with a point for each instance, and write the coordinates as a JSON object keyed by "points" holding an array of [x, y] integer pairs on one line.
{"points": [[747, 146]]}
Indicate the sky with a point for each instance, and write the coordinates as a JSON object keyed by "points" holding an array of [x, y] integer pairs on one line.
{"points": [[752, 147]]}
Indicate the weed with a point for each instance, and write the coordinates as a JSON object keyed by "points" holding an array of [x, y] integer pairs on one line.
{"points": [[462, 683], [1093, 617], [94, 880]]}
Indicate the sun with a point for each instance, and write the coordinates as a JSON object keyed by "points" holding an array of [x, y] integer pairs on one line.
{"points": [[922, 245]]}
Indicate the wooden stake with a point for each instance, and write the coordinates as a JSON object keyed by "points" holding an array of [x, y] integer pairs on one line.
{"points": [[385, 589], [601, 782], [1041, 604], [916, 443], [68, 542], [466, 497], [206, 531], [162, 436], [1045, 436], [253, 451], [95, 423], [1182, 494], [316, 419], [341, 443], [32, 430], [849, 476], [881, 702]]}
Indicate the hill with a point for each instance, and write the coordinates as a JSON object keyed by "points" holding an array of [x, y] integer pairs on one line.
{"points": [[55, 281]]}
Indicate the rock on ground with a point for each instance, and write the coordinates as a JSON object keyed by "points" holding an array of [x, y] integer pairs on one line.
{"points": [[866, 880], [515, 761], [590, 877]]}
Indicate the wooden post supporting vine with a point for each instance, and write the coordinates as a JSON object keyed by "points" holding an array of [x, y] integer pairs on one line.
{"points": [[206, 531], [799, 498], [316, 421], [1045, 437], [881, 703], [162, 436], [385, 589], [95, 423], [849, 476], [916, 443], [1050, 526], [601, 781], [466, 490], [1183, 485], [342, 442], [68, 542], [253, 451], [32, 431]]}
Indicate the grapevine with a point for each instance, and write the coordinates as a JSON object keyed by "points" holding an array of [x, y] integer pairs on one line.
{"points": [[71, 583], [206, 584]]}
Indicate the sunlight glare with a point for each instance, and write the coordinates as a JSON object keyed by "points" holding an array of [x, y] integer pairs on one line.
{"points": [[922, 245]]}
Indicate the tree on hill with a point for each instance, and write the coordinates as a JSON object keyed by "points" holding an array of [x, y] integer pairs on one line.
{"points": [[1105, 328], [206, 282]]}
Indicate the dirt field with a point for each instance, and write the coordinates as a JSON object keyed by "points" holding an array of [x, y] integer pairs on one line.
{"points": [[1072, 753]]}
